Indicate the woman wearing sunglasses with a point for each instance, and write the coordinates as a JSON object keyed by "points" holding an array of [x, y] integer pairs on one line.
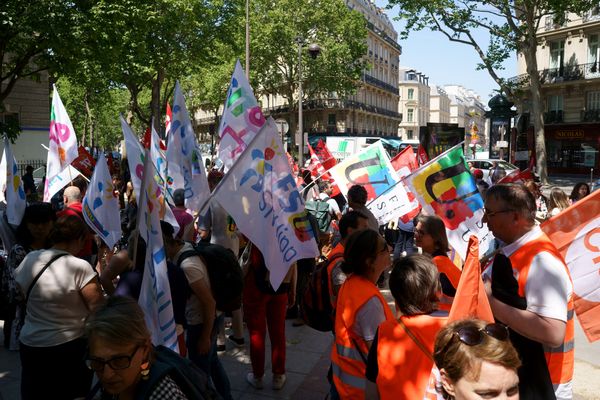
{"points": [[477, 361], [128, 367], [360, 309]]}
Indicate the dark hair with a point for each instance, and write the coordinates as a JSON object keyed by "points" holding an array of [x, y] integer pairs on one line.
{"points": [[361, 247], [36, 213], [68, 229], [516, 197], [434, 227], [415, 284], [323, 185], [350, 220], [575, 193], [168, 233], [358, 194], [179, 197]]}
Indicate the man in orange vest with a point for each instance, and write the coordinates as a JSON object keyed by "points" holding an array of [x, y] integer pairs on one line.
{"points": [[530, 290]]}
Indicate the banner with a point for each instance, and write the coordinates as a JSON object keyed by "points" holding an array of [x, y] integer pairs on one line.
{"points": [[260, 194], [61, 180], [84, 162], [184, 160], [404, 163], [241, 120], [155, 293], [100, 206], [158, 159], [63, 143], [135, 160], [446, 187], [15, 194], [576, 234]]}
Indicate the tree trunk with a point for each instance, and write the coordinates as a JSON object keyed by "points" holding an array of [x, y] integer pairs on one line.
{"points": [[155, 103]]}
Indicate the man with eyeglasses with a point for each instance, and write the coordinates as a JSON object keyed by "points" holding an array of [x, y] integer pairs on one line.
{"points": [[530, 290]]}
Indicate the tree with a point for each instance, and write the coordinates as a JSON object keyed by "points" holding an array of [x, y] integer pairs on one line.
{"points": [[339, 31], [512, 26]]}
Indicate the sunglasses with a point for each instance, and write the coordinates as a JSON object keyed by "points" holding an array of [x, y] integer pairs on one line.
{"points": [[472, 336]]}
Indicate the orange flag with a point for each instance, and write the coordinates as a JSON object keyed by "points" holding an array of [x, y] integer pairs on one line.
{"points": [[576, 234], [470, 300]]}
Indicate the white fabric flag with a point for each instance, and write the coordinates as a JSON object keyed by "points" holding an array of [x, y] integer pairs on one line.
{"points": [[242, 118], [15, 194], [155, 293], [62, 179], [260, 194], [158, 158], [63, 143], [100, 205], [3, 176], [135, 160], [184, 160]]}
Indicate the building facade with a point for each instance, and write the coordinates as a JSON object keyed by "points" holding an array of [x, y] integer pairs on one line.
{"points": [[568, 57], [439, 106], [414, 102]]}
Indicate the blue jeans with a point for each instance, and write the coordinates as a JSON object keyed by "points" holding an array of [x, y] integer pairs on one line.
{"points": [[210, 362]]}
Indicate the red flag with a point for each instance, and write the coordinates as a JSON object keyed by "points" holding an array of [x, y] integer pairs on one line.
{"points": [[327, 159], [471, 300], [576, 234], [517, 176], [168, 119], [292, 163], [84, 162], [422, 155], [317, 168], [405, 159], [147, 136]]}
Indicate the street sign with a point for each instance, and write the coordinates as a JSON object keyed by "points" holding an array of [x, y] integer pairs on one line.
{"points": [[282, 126]]}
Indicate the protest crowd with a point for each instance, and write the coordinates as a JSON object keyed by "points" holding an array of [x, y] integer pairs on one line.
{"points": [[121, 285]]}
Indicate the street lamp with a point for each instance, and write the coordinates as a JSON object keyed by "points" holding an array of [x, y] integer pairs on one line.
{"points": [[313, 50]]}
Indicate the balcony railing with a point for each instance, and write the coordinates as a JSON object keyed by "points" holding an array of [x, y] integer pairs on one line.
{"points": [[381, 84], [384, 36], [553, 117], [319, 104], [565, 73], [590, 116]]}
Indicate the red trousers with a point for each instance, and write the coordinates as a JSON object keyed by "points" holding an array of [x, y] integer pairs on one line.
{"points": [[263, 310]]}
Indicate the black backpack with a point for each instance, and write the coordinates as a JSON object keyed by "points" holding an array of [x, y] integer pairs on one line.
{"points": [[224, 273], [316, 308]]}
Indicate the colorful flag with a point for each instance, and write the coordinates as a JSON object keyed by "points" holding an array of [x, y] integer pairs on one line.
{"points": [[241, 120], [155, 293], [576, 234], [470, 300], [184, 159], [15, 194], [135, 160], [260, 193], [445, 187], [422, 155], [168, 119], [405, 163], [517, 176], [63, 143], [100, 205], [158, 159]]}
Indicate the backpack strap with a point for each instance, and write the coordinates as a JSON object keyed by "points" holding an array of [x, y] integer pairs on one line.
{"points": [[185, 255], [56, 257], [417, 341]]}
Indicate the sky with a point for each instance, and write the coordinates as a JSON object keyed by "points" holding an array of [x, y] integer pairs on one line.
{"points": [[446, 62]]}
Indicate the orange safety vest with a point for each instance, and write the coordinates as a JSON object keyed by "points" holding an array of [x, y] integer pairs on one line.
{"points": [[404, 369], [560, 360], [349, 352], [447, 267]]}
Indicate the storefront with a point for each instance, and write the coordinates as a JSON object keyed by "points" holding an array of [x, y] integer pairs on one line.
{"points": [[573, 149]]}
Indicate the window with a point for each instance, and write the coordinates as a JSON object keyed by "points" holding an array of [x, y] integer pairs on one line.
{"points": [[593, 101], [555, 103], [557, 54], [593, 52], [409, 115], [411, 94], [331, 120], [409, 134]]}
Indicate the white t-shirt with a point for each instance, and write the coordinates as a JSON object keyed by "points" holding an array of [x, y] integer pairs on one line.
{"points": [[194, 270], [56, 311], [368, 318], [334, 208]]}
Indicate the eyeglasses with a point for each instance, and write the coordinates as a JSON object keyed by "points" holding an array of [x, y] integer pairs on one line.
{"points": [[489, 213], [115, 363], [472, 336]]}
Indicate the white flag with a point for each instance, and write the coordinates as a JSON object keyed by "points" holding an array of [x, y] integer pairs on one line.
{"points": [[242, 118], [15, 195], [63, 143], [155, 293], [260, 194], [184, 160], [135, 160], [100, 205], [158, 157], [3, 176]]}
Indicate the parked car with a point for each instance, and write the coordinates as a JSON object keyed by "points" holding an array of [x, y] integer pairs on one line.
{"points": [[486, 165]]}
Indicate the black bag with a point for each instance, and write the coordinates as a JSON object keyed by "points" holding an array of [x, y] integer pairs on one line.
{"points": [[224, 273], [316, 308]]}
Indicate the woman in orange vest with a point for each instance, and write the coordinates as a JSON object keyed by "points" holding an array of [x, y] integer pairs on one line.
{"points": [[430, 235], [476, 360], [360, 310], [401, 358]]}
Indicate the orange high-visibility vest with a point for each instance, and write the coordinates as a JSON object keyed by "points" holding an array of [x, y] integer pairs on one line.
{"points": [[447, 267], [349, 352], [403, 368], [560, 360]]}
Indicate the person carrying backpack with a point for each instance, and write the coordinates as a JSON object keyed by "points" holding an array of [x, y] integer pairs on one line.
{"points": [[201, 311]]}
